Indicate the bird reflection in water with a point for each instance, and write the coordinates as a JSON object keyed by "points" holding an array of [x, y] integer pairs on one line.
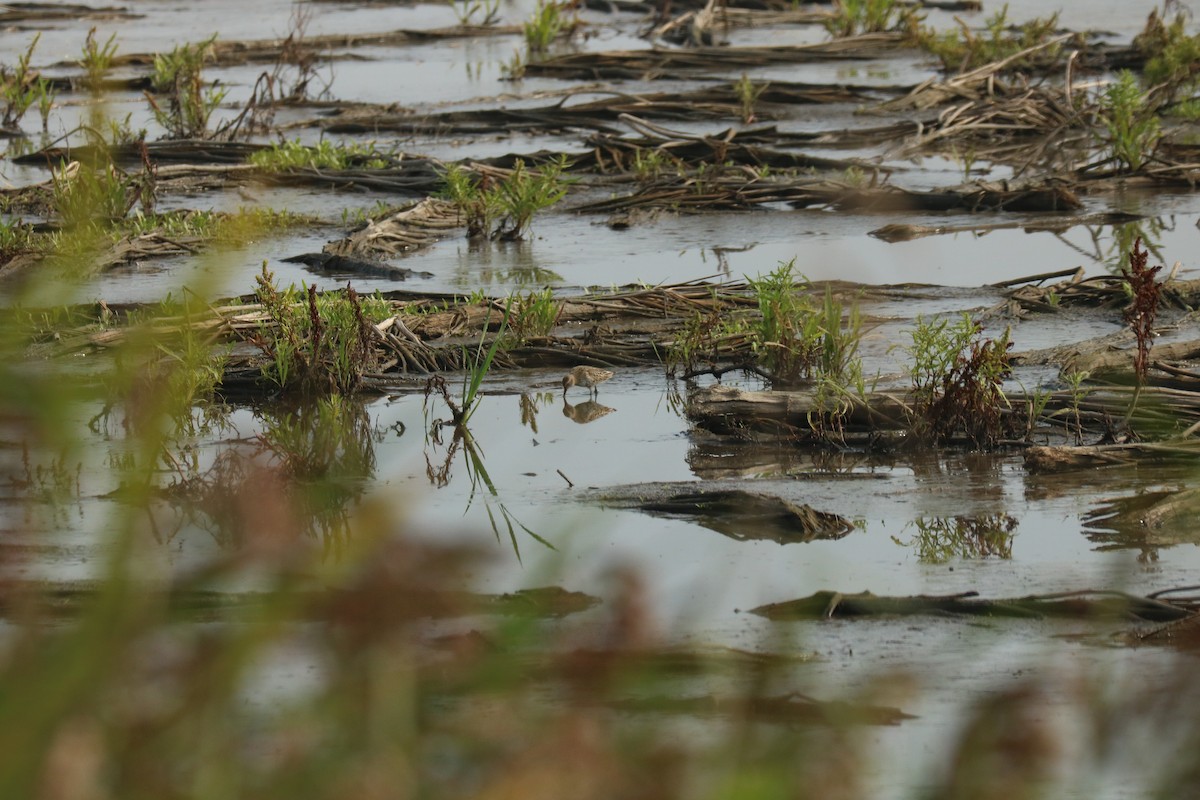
{"points": [[585, 412]]}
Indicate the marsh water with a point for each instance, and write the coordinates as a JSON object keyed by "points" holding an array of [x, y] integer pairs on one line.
{"points": [[552, 472]]}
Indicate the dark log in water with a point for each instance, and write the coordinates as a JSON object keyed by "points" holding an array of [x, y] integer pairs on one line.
{"points": [[746, 515], [1075, 605]]}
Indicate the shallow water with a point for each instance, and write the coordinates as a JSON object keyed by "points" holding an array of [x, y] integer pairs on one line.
{"points": [[701, 583]]}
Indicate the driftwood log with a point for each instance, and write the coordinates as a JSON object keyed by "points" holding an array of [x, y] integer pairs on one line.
{"points": [[790, 709], [1088, 604], [67, 600], [731, 411], [740, 514]]}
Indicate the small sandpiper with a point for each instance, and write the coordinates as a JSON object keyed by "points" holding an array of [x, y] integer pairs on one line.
{"points": [[590, 377]]}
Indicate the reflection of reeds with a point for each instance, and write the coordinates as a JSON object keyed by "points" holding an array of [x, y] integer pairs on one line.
{"points": [[462, 439], [481, 481], [308, 468], [939, 539]]}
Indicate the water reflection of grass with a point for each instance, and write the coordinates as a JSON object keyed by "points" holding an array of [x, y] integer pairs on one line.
{"points": [[462, 440], [319, 455], [937, 540]]}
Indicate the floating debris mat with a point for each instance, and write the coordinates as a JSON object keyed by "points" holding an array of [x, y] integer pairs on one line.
{"points": [[1071, 605], [266, 51], [403, 231], [549, 119], [623, 154], [686, 63], [724, 145], [802, 418], [217, 163], [984, 82], [757, 6], [715, 102], [13, 13], [675, 148], [770, 135], [1099, 291], [185, 151], [1059, 459], [416, 176], [737, 192], [1003, 128]]}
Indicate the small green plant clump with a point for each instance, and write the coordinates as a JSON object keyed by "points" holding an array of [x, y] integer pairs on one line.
{"points": [[503, 209], [181, 102], [963, 49], [854, 17], [748, 93], [790, 339], [287, 155], [650, 163], [531, 316], [549, 21], [957, 378], [1172, 56], [16, 238], [318, 344], [85, 194], [97, 59], [22, 88], [232, 228], [1077, 393], [795, 341], [1130, 120], [785, 337], [475, 12]]}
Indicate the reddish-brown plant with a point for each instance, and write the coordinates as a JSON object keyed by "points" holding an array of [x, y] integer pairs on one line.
{"points": [[1143, 309]]}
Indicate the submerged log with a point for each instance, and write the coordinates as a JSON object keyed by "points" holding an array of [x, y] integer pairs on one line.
{"points": [[1113, 360], [736, 191], [903, 232], [727, 410], [981, 197], [789, 709], [1075, 605], [746, 515], [1183, 634], [711, 102], [69, 599], [1043, 458], [345, 265], [1147, 511], [663, 63]]}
